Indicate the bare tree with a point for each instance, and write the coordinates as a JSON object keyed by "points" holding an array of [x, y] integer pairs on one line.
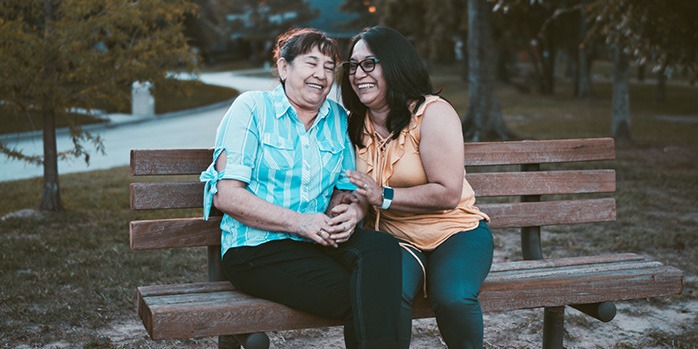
{"points": [[483, 120]]}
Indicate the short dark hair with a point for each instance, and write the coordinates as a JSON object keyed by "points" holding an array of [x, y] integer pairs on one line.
{"points": [[298, 41], [405, 74]]}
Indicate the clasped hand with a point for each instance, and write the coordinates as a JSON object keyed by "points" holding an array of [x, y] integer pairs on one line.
{"points": [[330, 231]]}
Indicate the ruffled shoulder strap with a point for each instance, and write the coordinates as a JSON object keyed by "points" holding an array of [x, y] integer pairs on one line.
{"points": [[416, 121], [427, 101]]}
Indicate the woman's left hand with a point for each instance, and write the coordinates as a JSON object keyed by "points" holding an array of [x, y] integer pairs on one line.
{"points": [[367, 187], [345, 217]]}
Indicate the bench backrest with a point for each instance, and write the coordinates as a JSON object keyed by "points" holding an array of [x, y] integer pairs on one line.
{"points": [[517, 190]]}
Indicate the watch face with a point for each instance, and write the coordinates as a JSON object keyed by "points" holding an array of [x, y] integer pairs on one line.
{"points": [[388, 193]]}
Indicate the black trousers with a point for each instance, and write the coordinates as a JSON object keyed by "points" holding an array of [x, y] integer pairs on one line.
{"points": [[359, 282]]}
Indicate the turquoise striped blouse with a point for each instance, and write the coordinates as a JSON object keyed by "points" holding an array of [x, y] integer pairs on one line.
{"points": [[268, 148]]}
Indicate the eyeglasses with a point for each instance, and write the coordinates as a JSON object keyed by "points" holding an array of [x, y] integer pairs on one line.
{"points": [[367, 65]]}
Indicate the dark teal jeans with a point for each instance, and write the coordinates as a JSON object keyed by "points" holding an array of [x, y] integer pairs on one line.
{"points": [[358, 282], [455, 272]]}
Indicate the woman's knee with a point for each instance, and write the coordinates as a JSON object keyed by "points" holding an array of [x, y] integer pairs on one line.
{"points": [[456, 302]]}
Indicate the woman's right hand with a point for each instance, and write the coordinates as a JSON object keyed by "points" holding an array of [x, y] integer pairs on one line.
{"points": [[314, 226], [367, 187]]}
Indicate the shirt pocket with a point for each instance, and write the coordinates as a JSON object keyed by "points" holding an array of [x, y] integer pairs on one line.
{"points": [[277, 152], [331, 156]]}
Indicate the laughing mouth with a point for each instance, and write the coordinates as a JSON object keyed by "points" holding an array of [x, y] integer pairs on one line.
{"points": [[365, 86], [316, 86]]}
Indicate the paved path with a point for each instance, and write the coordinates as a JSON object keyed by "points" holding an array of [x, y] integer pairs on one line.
{"points": [[194, 128]]}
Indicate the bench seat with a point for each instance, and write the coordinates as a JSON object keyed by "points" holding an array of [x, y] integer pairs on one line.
{"points": [[216, 308]]}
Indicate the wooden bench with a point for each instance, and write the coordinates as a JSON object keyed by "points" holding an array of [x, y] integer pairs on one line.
{"points": [[524, 196]]}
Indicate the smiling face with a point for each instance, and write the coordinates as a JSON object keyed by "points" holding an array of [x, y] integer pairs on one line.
{"points": [[307, 79], [371, 87]]}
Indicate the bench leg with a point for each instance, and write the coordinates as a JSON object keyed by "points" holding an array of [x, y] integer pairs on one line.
{"points": [[553, 327], [258, 340], [228, 342], [247, 341]]}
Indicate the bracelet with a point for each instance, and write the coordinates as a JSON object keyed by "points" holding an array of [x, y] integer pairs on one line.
{"points": [[388, 194]]}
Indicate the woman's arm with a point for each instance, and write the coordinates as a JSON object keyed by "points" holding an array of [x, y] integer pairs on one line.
{"points": [[441, 152], [234, 200]]}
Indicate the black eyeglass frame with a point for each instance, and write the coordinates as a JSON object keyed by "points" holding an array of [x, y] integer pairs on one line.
{"points": [[352, 66]]}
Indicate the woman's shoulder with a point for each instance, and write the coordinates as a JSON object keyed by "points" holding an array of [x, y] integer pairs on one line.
{"points": [[435, 111], [430, 100]]}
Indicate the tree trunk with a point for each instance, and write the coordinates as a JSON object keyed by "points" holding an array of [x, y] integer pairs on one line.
{"points": [[641, 72], [620, 122], [583, 79], [583, 85], [466, 61], [660, 92], [50, 197], [483, 120], [548, 54]]}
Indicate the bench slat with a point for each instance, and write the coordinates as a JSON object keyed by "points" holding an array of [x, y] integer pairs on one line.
{"points": [[146, 162], [542, 182], [191, 232], [538, 151], [193, 161], [167, 195], [531, 214], [209, 309], [173, 233]]}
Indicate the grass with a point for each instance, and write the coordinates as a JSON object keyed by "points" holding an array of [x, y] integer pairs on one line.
{"points": [[192, 94], [68, 277]]}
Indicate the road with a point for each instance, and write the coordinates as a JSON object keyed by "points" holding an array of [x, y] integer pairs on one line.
{"points": [[189, 129]]}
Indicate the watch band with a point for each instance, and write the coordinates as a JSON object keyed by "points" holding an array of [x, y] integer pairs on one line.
{"points": [[388, 194]]}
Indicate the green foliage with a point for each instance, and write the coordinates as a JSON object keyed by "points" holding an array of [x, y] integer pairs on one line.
{"points": [[62, 54], [660, 33], [58, 55], [664, 32]]}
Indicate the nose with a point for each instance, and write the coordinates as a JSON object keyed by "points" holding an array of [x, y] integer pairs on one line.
{"points": [[319, 72], [360, 72]]}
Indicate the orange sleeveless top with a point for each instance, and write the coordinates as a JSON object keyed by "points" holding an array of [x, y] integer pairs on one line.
{"points": [[397, 164]]}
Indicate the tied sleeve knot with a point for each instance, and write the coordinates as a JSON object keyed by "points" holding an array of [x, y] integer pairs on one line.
{"points": [[211, 178]]}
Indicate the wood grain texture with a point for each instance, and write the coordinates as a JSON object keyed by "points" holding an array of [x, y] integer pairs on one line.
{"points": [[538, 152], [191, 232], [210, 309], [146, 162], [159, 195]]}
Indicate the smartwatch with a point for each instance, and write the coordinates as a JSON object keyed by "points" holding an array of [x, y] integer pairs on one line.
{"points": [[388, 193]]}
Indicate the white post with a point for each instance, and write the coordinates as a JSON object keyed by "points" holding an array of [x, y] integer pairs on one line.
{"points": [[142, 101]]}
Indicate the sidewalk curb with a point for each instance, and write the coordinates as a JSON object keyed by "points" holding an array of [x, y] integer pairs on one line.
{"points": [[20, 136]]}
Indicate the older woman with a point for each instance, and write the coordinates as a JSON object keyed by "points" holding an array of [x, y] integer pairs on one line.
{"points": [[410, 169], [279, 158]]}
